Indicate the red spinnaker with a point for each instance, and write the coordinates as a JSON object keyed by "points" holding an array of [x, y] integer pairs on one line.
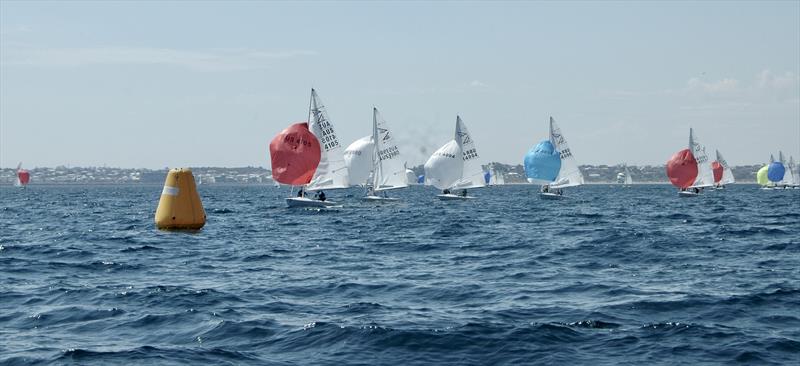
{"points": [[295, 154], [716, 167], [682, 169], [24, 176]]}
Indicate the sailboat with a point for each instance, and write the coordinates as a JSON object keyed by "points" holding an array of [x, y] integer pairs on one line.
{"points": [[795, 173], [455, 166], [23, 176], [625, 178], [551, 164], [387, 171], [761, 177], [330, 171], [722, 172], [495, 178], [775, 171], [690, 169], [788, 175], [295, 155]]}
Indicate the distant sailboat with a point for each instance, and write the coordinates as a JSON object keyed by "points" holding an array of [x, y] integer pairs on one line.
{"points": [[795, 172], [23, 176], [411, 177], [690, 169], [722, 172], [388, 170], [775, 172], [788, 175], [624, 177], [551, 164], [455, 166], [495, 178]]}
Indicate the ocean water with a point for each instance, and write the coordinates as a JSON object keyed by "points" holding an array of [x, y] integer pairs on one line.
{"points": [[610, 276]]}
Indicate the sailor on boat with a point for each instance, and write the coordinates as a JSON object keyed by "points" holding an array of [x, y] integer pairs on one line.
{"points": [[463, 193], [445, 191], [320, 196], [301, 193]]}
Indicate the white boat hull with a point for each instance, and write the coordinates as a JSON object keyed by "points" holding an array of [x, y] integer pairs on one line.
{"points": [[550, 196], [379, 199], [453, 197], [307, 202], [687, 194]]}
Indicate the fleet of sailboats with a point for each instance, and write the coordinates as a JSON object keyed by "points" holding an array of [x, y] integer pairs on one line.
{"points": [[309, 156]]}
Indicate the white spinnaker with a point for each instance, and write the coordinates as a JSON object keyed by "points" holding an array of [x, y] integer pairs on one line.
{"points": [[444, 167], [390, 171], [727, 173], [569, 175], [411, 177], [705, 176], [358, 158], [331, 172], [472, 175], [628, 178]]}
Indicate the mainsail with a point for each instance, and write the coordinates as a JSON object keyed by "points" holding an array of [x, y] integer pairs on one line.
{"points": [[705, 176], [331, 172], [389, 171], [727, 173], [628, 178], [569, 175], [472, 172]]}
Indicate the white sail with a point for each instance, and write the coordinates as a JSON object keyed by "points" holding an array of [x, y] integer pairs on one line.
{"points": [[795, 171], [495, 177], [472, 173], [389, 171], [411, 177], [705, 176], [628, 178], [444, 167], [787, 175], [569, 175], [727, 173], [331, 172], [358, 158]]}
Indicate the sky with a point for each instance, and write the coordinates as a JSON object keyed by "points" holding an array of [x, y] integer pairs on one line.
{"points": [[168, 84]]}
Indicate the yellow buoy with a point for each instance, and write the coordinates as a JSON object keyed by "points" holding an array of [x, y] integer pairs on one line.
{"points": [[180, 206]]}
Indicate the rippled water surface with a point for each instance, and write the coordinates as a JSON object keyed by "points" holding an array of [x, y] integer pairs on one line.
{"points": [[610, 276]]}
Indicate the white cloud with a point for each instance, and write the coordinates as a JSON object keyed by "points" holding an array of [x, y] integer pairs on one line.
{"points": [[711, 87], [477, 84], [767, 80], [203, 60]]}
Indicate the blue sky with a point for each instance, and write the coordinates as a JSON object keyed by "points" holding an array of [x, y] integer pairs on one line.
{"points": [[210, 83]]}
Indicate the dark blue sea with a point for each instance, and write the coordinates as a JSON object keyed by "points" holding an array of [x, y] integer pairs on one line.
{"points": [[609, 276]]}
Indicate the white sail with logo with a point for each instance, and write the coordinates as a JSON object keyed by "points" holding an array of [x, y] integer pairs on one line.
{"points": [[569, 175], [472, 175], [705, 176], [389, 169], [358, 158], [727, 173], [331, 172]]}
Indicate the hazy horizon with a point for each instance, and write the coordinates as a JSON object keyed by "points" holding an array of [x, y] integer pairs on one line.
{"points": [[149, 85]]}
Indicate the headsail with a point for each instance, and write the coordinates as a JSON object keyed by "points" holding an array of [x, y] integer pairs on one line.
{"points": [[358, 158], [444, 167], [542, 163], [682, 169], [727, 173], [761, 176], [776, 170], [331, 172], [569, 175], [705, 176], [390, 171], [294, 154], [472, 172]]}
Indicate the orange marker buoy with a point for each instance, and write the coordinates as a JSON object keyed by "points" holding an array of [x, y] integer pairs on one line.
{"points": [[180, 206]]}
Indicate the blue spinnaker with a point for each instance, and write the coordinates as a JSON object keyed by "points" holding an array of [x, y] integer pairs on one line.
{"points": [[487, 177], [542, 163], [421, 179], [776, 171]]}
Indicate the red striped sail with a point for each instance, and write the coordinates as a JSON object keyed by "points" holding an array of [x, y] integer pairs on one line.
{"points": [[682, 169], [295, 154]]}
